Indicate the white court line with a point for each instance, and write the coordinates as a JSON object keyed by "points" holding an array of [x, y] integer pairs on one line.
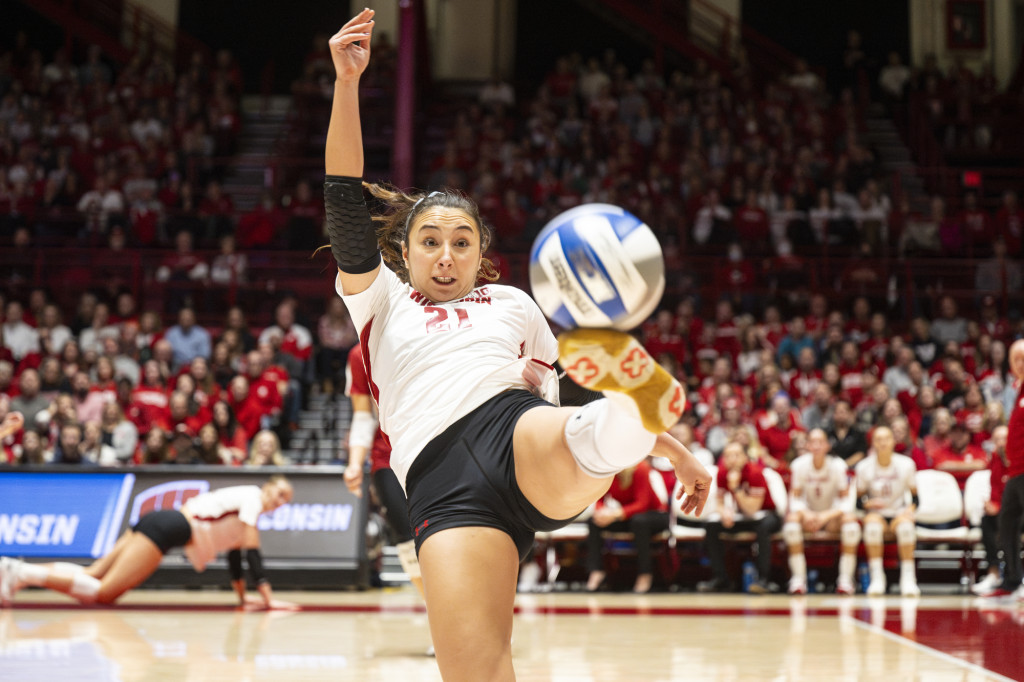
{"points": [[973, 667]]}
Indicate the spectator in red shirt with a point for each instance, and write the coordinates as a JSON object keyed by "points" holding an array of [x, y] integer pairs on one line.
{"points": [[259, 227], [216, 210], [230, 433], [806, 377], [960, 456], [998, 465], [775, 429], [181, 414], [630, 505], [664, 339], [247, 407], [149, 404], [305, 220], [977, 223], [939, 435], [752, 225], [1009, 224], [754, 510]]}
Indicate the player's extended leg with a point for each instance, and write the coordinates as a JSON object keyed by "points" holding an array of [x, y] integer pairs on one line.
{"points": [[565, 457], [849, 539], [793, 534], [874, 537], [906, 539], [136, 561], [99, 568], [476, 568]]}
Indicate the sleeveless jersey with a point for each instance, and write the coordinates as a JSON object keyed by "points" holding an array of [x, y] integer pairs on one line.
{"points": [[219, 518], [822, 488], [429, 364], [891, 483]]}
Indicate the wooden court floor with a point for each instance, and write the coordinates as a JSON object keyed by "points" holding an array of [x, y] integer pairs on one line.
{"points": [[157, 636]]}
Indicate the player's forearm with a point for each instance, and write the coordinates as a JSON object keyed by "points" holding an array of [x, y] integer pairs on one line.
{"points": [[357, 456], [748, 504], [343, 154]]}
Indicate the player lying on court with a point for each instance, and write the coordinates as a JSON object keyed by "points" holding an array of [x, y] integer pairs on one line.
{"points": [[222, 520], [456, 370]]}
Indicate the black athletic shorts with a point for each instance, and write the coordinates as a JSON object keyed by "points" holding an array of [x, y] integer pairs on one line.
{"points": [[466, 476], [167, 528]]}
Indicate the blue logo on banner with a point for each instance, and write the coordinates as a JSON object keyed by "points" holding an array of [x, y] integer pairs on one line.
{"points": [[61, 515]]}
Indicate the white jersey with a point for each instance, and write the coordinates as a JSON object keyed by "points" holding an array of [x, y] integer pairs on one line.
{"points": [[429, 364], [219, 519], [890, 484], [822, 489]]}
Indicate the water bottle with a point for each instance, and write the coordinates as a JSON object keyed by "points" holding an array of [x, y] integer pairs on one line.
{"points": [[812, 580], [863, 576], [749, 575]]}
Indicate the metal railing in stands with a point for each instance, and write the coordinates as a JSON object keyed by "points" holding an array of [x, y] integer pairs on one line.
{"points": [[903, 287]]}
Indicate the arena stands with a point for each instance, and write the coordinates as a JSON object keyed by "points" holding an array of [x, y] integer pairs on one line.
{"points": [[141, 304]]}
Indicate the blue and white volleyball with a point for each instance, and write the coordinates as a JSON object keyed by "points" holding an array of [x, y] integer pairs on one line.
{"points": [[597, 265]]}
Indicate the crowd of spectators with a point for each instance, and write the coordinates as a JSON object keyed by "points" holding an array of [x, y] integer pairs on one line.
{"points": [[113, 387], [136, 153], [943, 385]]}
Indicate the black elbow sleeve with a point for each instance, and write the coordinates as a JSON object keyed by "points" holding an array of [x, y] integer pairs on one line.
{"points": [[255, 561], [235, 564], [349, 226]]}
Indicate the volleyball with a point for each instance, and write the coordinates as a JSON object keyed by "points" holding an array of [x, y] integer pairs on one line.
{"points": [[597, 265]]}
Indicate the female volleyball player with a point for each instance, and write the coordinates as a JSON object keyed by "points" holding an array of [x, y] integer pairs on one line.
{"points": [[218, 521], [453, 368]]}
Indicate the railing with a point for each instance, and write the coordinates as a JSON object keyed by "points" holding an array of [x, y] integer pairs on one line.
{"points": [[904, 287]]}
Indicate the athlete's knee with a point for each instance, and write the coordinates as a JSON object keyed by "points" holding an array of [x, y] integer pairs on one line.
{"points": [[792, 533], [906, 532], [849, 534], [874, 532]]}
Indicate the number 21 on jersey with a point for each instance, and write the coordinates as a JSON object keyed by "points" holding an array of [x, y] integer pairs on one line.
{"points": [[439, 321]]}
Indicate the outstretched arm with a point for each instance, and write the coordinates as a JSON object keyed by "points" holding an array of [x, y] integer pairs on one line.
{"points": [[251, 550], [353, 239], [350, 51], [693, 477]]}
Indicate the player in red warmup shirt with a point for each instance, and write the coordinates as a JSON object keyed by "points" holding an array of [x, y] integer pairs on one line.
{"points": [[1011, 512]]}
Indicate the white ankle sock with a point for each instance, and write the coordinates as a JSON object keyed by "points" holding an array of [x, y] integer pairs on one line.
{"points": [[908, 571], [847, 564], [798, 566], [607, 436], [32, 574]]}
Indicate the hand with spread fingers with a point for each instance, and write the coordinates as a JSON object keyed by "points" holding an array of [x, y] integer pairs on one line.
{"points": [[350, 47], [11, 424]]}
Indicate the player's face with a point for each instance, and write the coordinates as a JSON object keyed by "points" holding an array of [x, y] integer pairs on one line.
{"points": [[883, 441], [1017, 359], [817, 443], [276, 495], [443, 254]]}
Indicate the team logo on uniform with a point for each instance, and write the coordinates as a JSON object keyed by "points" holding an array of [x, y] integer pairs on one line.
{"points": [[170, 495]]}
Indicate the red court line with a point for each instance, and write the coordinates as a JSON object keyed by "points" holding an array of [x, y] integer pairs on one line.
{"points": [[378, 608]]}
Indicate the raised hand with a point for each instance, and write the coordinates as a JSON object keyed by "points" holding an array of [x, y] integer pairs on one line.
{"points": [[350, 47], [12, 423]]}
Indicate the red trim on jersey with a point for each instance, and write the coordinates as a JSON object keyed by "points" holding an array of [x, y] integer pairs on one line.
{"points": [[541, 362], [212, 519], [364, 338]]}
